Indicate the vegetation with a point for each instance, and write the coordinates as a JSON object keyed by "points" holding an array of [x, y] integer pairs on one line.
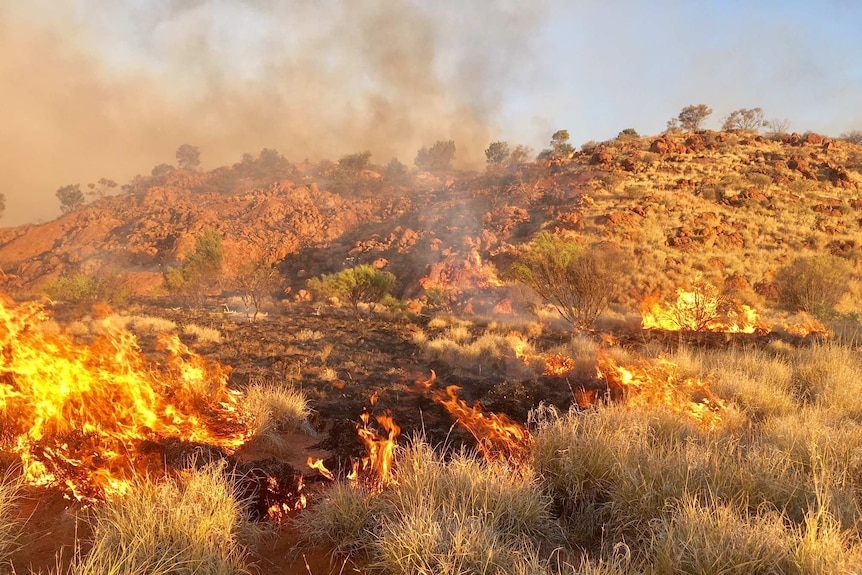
{"points": [[70, 197], [691, 118], [257, 281], [577, 282], [188, 157], [361, 284], [813, 284], [744, 119], [190, 525], [83, 290], [201, 270], [438, 158]]}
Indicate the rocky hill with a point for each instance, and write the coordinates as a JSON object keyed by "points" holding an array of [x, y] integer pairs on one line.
{"points": [[735, 206]]}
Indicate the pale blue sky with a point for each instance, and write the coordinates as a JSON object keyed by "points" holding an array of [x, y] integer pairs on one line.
{"points": [[98, 88]]}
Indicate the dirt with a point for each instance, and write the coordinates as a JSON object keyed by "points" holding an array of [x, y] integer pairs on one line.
{"points": [[340, 360]]}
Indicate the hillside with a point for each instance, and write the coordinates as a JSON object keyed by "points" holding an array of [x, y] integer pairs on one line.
{"points": [[733, 205]]}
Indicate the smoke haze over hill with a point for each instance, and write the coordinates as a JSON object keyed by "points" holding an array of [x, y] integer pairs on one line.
{"points": [[95, 89]]}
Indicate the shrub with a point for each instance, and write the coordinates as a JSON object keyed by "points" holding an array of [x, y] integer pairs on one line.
{"points": [[201, 272], [83, 289], [361, 284], [577, 282], [813, 284]]}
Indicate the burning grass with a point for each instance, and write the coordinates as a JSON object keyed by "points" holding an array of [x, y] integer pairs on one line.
{"points": [[76, 414]]}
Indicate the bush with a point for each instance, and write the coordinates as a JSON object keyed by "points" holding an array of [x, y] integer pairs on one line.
{"points": [[813, 284], [361, 284], [577, 282], [82, 289]]}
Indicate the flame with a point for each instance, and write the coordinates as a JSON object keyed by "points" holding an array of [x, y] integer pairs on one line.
{"points": [[487, 275], [317, 465], [555, 364], [280, 509], [701, 309], [806, 326], [376, 467], [498, 437], [656, 382], [76, 413]]}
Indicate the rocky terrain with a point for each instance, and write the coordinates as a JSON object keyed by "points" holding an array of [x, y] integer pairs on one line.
{"points": [[733, 205]]}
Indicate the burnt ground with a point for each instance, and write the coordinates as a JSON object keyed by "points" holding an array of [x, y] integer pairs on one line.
{"points": [[340, 360]]}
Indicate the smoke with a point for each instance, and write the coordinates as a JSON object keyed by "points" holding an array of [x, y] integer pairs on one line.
{"points": [[110, 89]]}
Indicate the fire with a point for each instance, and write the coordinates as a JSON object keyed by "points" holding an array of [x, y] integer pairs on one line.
{"points": [[376, 467], [498, 437], [317, 465], [487, 275], [76, 413], [701, 309], [656, 383], [806, 326], [557, 365]]}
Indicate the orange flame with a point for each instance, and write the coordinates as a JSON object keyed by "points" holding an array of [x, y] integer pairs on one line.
{"points": [[701, 309], [76, 414], [806, 326], [498, 437], [656, 383], [377, 466], [317, 465]]}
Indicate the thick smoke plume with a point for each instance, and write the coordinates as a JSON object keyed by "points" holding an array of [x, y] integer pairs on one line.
{"points": [[101, 89]]}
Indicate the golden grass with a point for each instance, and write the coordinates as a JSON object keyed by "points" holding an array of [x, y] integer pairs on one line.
{"points": [[275, 408], [11, 530], [190, 525], [203, 334]]}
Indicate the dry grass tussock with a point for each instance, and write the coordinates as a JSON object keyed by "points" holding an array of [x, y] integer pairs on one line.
{"points": [[190, 525], [11, 483], [202, 334], [275, 408], [460, 516]]}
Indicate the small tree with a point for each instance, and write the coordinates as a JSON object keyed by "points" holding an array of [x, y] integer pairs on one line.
{"points": [[188, 157], [497, 154], [438, 158], [744, 119], [257, 281], [853, 136], [104, 187], [396, 172], [560, 147], [2, 204], [628, 134], [70, 197], [577, 282], [201, 272], [813, 284], [691, 117], [162, 170], [82, 290], [361, 284], [778, 126]]}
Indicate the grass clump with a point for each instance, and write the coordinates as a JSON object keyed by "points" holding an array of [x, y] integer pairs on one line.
{"points": [[11, 484], [203, 334], [188, 526], [275, 408], [460, 516]]}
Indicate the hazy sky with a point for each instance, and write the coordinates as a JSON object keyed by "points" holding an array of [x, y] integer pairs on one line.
{"points": [[110, 88]]}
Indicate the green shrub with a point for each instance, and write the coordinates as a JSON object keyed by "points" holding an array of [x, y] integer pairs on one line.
{"points": [[361, 284], [813, 284], [83, 289]]}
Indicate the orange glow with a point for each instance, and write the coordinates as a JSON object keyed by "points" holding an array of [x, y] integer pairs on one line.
{"points": [[701, 309], [375, 470], [498, 437], [806, 326], [317, 465], [77, 413], [657, 383], [486, 275]]}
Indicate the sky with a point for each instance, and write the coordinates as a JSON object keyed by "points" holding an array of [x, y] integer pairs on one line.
{"points": [[111, 88]]}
